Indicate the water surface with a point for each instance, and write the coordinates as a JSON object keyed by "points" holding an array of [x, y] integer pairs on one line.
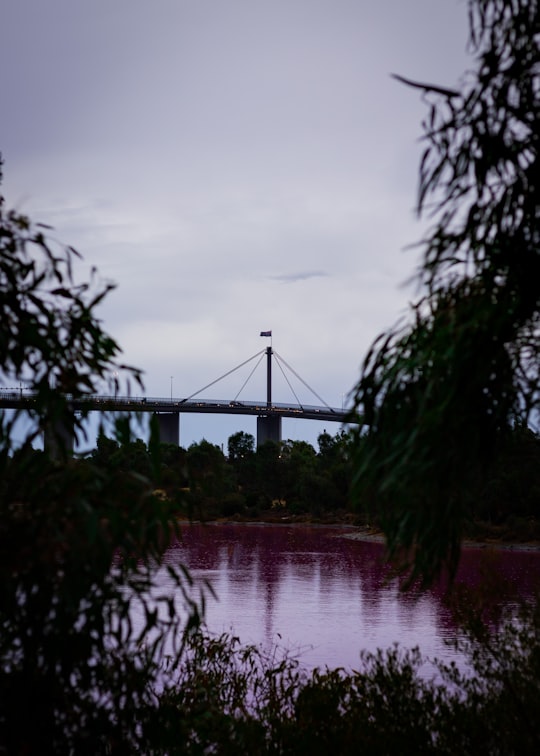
{"points": [[324, 596]]}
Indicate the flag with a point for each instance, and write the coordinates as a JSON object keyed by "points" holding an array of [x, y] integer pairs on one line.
{"points": [[266, 333]]}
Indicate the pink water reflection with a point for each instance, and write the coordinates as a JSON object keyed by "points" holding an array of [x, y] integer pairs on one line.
{"points": [[325, 597]]}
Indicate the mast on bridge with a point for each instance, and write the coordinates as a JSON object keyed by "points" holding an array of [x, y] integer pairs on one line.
{"points": [[269, 376], [268, 426]]}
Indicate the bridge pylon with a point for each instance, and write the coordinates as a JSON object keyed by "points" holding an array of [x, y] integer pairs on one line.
{"points": [[169, 427], [268, 426], [268, 429]]}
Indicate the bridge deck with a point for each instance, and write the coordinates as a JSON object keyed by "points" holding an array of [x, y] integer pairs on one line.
{"points": [[19, 400]]}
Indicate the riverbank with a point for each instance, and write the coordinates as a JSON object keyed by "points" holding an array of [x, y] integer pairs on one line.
{"points": [[486, 537], [378, 537]]}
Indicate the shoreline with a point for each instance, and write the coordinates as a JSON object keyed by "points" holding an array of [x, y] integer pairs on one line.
{"points": [[467, 543], [373, 535]]}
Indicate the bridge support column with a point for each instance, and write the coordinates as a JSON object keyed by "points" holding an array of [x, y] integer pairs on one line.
{"points": [[268, 429], [169, 427]]}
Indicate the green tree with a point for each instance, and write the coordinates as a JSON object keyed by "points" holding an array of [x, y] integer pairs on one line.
{"points": [[299, 462], [209, 477], [105, 449], [241, 445], [270, 472], [242, 461], [338, 447], [174, 473], [334, 464], [80, 543], [440, 394]]}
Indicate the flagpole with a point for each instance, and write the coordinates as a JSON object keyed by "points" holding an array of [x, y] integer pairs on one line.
{"points": [[268, 334]]}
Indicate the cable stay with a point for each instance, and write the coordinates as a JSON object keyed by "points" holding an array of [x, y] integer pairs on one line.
{"points": [[249, 376], [280, 362], [279, 358], [288, 381], [224, 376]]}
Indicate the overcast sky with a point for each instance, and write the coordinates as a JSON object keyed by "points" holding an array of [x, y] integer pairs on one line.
{"points": [[234, 166]]}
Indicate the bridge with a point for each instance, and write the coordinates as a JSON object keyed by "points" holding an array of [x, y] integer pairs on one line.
{"points": [[168, 410]]}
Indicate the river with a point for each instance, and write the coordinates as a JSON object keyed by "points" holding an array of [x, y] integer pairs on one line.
{"points": [[325, 596]]}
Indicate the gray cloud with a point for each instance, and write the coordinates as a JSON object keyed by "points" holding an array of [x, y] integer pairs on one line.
{"points": [[301, 276], [198, 153]]}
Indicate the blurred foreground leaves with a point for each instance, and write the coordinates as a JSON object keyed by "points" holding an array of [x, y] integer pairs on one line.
{"points": [[440, 394]]}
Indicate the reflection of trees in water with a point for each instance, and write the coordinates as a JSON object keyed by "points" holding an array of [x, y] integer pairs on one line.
{"points": [[273, 557], [488, 580], [261, 567]]}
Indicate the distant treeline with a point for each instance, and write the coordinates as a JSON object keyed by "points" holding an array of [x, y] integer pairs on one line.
{"points": [[292, 478]]}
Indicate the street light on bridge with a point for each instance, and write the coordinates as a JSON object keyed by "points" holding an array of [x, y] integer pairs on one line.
{"points": [[171, 386]]}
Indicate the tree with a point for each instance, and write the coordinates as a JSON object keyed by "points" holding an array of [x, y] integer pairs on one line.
{"points": [[209, 476], [335, 451], [80, 543], [439, 395], [106, 448], [334, 462], [240, 446], [269, 471]]}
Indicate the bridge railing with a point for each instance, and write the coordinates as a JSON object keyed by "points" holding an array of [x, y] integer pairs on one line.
{"points": [[21, 398], [177, 404]]}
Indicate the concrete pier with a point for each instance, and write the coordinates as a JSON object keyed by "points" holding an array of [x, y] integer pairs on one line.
{"points": [[268, 429], [169, 427]]}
